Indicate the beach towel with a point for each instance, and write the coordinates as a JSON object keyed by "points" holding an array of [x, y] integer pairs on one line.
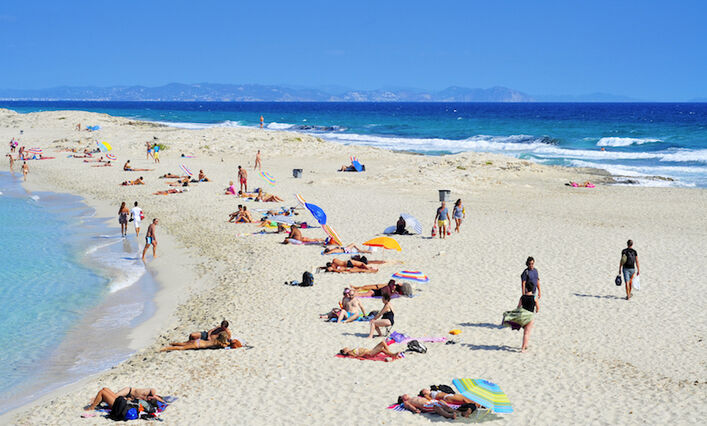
{"points": [[517, 318], [103, 408], [336, 254], [401, 407], [379, 357]]}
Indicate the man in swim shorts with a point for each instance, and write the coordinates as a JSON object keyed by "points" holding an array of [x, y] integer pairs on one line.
{"points": [[351, 305], [214, 332], [442, 219], [156, 152], [243, 179], [136, 216], [151, 238]]}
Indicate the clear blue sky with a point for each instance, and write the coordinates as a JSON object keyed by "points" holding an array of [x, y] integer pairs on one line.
{"points": [[654, 50]]}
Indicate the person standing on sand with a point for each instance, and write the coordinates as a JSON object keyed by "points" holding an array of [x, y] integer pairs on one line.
{"points": [[149, 150], [136, 216], [529, 279], [459, 214], [442, 219], [629, 265], [243, 179], [257, 162], [123, 214], [262, 121], [529, 303], [25, 170], [151, 238], [156, 152], [12, 162]]}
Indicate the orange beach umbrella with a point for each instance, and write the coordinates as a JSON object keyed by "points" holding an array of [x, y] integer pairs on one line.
{"points": [[385, 242]]}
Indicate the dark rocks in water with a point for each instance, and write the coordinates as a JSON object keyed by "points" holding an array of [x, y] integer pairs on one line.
{"points": [[314, 128], [549, 140]]}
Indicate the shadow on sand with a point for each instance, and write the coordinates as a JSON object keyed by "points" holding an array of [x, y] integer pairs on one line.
{"points": [[608, 296]]}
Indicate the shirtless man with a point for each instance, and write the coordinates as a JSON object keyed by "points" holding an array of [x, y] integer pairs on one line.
{"points": [[213, 333], [243, 179], [128, 168], [418, 404], [151, 238], [351, 305], [108, 396], [202, 177], [296, 234], [137, 181], [257, 162], [25, 170]]}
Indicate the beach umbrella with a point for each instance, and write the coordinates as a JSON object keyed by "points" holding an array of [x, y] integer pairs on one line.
{"points": [[486, 393], [356, 164], [332, 234], [111, 157], [35, 150], [268, 178], [412, 223], [186, 170], [385, 242], [316, 211], [104, 146], [411, 276]]}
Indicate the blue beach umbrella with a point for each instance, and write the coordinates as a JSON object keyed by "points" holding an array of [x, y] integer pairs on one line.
{"points": [[357, 165], [316, 211], [486, 393]]}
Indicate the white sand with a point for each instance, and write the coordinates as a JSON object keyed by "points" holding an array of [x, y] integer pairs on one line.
{"points": [[593, 358]]}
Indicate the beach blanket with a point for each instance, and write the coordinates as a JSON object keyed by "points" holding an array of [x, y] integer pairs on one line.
{"points": [[400, 407], [379, 357], [517, 318], [302, 243], [334, 254], [396, 337], [103, 407]]}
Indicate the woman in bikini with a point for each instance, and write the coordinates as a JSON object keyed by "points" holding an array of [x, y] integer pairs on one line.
{"points": [[384, 318], [450, 398], [221, 341], [108, 396], [267, 198], [370, 353], [123, 213], [377, 290]]}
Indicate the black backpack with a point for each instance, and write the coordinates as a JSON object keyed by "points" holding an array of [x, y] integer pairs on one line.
{"points": [[416, 346], [123, 409], [307, 279]]}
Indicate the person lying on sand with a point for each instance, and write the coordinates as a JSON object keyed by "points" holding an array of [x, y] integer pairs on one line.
{"points": [[170, 176], [370, 353], [106, 164], [169, 191], [296, 234], [353, 263], [267, 198], [329, 267], [202, 177], [128, 168], [99, 160], [351, 168], [108, 396], [180, 182], [137, 181], [377, 290], [213, 333], [221, 341], [418, 404], [365, 260], [242, 194], [450, 398], [351, 248], [83, 156]]}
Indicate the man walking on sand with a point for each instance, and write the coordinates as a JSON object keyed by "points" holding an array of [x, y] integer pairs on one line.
{"points": [[257, 162], [629, 265], [442, 219], [136, 216], [151, 238], [243, 179]]}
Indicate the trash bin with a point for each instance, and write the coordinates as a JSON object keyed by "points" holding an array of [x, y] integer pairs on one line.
{"points": [[297, 173], [445, 195]]}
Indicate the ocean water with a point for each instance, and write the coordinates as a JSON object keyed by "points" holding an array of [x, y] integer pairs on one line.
{"points": [[63, 314], [638, 139]]}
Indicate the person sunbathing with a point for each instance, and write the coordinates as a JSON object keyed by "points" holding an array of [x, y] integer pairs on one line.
{"points": [[382, 347], [296, 234], [329, 267], [267, 198], [351, 248], [170, 176], [202, 177], [169, 191], [377, 290], [99, 160], [373, 262], [106, 164], [128, 168], [418, 404], [85, 155], [137, 181], [361, 264], [213, 333], [351, 168], [242, 194], [108, 396], [180, 182], [243, 216], [233, 216], [231, 190], [450, 398], [221, 341]]}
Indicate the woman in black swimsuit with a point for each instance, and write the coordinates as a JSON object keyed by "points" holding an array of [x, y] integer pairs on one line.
{"points": [[529, 303], [384, 318], [123, 214]]}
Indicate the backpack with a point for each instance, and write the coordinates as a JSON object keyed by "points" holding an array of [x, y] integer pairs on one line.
{"points": [[307, 279], [123, 410], [416, 346]]}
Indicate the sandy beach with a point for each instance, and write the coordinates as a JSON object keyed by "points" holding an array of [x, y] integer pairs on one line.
{"points": [[593, 358]]}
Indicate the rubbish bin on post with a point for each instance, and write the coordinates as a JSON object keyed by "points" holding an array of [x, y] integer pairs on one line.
{"points": [[445, 195], [297, 173]]}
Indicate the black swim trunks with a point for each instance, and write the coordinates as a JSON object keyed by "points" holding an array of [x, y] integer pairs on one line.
{"points": [[204, 335]]}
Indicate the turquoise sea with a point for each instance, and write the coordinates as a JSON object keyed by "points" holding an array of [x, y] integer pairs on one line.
{"points": [[70, 287]]}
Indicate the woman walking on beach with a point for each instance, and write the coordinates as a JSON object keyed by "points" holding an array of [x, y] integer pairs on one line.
{"points": [[257, 162], [458, 214], [25, 170], [384, 318], [123, 213]]}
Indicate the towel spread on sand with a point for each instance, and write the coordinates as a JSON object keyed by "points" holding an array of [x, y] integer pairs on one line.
{"points": [[401, 407], [396, 337]]}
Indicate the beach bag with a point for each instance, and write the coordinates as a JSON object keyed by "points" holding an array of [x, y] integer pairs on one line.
{"points": [[636, 282], [416, 346], [307, 279], [123, 410], [142, 215], [617, 281]]}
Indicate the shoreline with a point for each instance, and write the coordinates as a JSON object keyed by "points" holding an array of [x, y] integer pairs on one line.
{"points": [[473, 279]]}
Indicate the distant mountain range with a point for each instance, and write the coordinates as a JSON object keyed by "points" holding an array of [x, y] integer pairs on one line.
{"points": [[205, 92]]}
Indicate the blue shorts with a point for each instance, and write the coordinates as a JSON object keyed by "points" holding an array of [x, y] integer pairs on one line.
{"points": [[148, 241], [628, 273]]}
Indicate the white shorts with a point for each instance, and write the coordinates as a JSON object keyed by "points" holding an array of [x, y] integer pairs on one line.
{"points": [[136, 223]]}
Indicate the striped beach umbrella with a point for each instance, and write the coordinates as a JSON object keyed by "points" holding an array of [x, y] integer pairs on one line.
{"points": [[332, 234], [111, 157], [268, 178], [411, 276], [412, 223], [486, 393], [186, 170], [35, 150], [104, 146]]}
